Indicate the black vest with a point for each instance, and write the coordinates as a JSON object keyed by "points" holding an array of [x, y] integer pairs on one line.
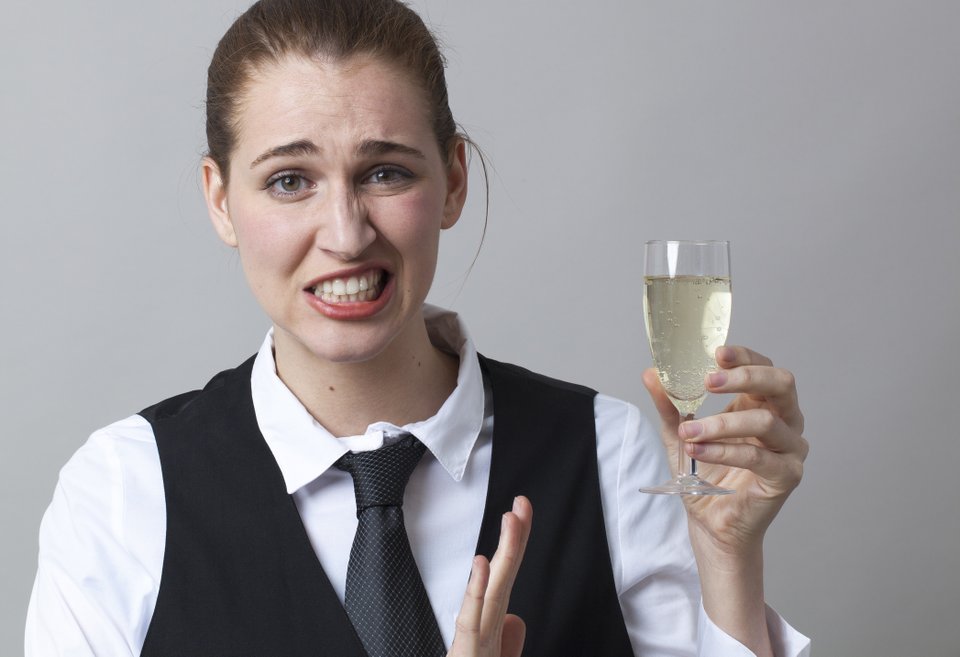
{"points": [[240, 577]]}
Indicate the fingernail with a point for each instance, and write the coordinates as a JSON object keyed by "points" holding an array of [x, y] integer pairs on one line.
{"points": [[473, 566], [717, 379], [694, 449], [516, 503], [725, 354], [691, 429]]}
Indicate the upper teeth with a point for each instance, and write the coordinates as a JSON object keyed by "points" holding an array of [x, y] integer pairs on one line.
{"points": [[364, 287]]}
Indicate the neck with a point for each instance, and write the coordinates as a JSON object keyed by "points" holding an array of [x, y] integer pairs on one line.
{"points": [[407, 382]]}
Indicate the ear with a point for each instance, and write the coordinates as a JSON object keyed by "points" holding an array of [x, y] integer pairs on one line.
{"points": [[456, 184], [215, 193]]}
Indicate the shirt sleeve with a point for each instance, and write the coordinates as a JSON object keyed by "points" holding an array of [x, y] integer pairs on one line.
{"points": [[99, 567], [654, 568]]}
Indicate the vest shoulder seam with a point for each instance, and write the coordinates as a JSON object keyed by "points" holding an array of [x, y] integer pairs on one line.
{"points": [[173, 406], [543, 379]]}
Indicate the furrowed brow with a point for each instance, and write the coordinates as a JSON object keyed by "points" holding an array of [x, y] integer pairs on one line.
{"points": [[375, 147], [299, 147]]}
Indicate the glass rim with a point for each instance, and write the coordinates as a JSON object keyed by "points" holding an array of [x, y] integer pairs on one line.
{"points": [[693, 242]]}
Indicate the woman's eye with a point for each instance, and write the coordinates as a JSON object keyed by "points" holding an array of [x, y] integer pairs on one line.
{"points": [[290, 183], [388, 176], [286, 184]]}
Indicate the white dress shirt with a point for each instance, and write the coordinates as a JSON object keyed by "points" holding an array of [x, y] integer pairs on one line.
{"points": [[102, 538]]}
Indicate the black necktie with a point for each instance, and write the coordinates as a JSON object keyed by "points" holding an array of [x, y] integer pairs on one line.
{"points": [[385, 598]]}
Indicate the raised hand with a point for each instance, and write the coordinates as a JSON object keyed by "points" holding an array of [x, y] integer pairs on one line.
{"points": [[484, 628], [756, 447]]}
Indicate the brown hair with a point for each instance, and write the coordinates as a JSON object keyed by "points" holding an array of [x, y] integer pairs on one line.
{"points": [[273, 29]]}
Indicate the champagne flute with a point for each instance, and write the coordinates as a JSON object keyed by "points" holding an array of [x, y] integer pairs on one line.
{"points": [[686, 308]]}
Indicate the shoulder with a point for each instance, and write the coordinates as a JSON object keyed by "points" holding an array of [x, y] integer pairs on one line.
{"points": [[518, 374], [625, 436], [106, 520], [108, 451], [621, 418], [101, 545], [173, 406], [116, 467], [115, 479], [109, 498], [617, 421]]}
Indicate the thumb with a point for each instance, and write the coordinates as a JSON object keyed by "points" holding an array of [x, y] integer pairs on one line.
{"points": [[669, 415]]}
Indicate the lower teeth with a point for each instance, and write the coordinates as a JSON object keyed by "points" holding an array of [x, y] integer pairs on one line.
{"points": [[366, 295]]}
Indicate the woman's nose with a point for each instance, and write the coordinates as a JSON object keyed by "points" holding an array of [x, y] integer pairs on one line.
{"points": [[345, 230]]}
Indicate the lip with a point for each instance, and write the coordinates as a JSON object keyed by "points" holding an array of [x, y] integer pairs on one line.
{"points": [[352, 310]]}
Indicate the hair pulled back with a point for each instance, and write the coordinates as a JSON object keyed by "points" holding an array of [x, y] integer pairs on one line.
{"points": [[271, 30]]}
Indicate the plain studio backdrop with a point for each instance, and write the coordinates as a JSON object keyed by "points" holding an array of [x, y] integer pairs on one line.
{"points": [[821, 138]]}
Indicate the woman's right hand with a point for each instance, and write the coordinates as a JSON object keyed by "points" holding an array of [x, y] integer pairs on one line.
{"points": [[484, 628]]}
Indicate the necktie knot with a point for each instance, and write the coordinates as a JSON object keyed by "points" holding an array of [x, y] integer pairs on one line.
{"points": [[380, 475]]}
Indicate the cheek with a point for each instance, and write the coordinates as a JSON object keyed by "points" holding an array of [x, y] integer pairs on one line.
{"points": [[268, 245], [416, 221]]}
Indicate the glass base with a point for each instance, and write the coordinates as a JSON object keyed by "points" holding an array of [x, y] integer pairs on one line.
{"points": [[687, 485]]}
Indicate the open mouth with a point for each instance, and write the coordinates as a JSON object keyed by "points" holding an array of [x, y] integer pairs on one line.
{"points": [[351, 289]]}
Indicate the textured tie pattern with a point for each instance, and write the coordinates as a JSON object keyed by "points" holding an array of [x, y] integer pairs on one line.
{"points": [[385, 598]]}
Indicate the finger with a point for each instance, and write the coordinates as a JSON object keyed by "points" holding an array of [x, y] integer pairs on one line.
{"points": [[665, 408], [523, 509], [514, 533], [786, 470], [755, 380], [514, 633], [466, 637], [773, 385], [735, 356], [760, 423]]}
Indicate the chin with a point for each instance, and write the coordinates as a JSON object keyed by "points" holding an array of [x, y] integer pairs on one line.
{"points": [[353, 351], [341, 342], [348, 356]]}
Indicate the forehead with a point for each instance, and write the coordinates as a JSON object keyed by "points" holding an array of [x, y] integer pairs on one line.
{"points": [[335, 101]]}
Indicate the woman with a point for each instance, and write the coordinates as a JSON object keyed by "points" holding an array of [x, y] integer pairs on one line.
{"points": [[226, 521]]}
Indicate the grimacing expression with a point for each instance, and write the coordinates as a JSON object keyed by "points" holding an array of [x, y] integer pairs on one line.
{"points": [[336, 199]]}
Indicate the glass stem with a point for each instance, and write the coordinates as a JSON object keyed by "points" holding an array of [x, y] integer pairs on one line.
{"points": [[685, 464]]}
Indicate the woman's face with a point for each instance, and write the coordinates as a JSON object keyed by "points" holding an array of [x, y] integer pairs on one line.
{"points": [[337, 195]]}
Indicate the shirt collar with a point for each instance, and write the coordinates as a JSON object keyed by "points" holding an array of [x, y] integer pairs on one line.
{"points": [[304, 449]]}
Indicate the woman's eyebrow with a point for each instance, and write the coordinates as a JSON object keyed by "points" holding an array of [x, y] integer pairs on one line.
{"points": [[374, 147], [368, 148], [299, 147]]}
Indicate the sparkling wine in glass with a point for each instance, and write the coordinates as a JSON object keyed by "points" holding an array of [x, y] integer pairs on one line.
{"points": [[686, 306]]}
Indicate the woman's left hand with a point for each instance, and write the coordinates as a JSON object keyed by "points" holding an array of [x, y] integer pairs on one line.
{"points": [[755, 447]]}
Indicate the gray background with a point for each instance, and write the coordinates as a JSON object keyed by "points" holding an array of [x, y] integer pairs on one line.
{"points": [[822, 138]]}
